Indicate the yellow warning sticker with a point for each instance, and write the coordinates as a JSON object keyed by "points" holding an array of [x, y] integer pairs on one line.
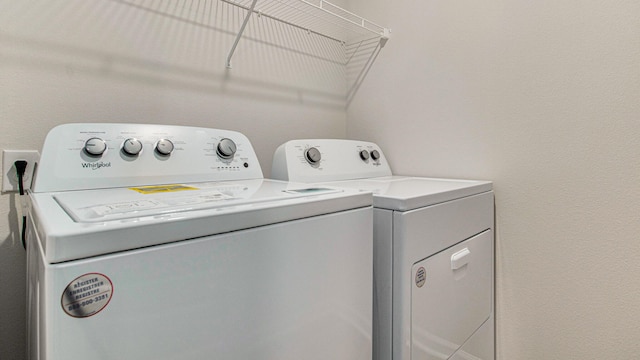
{"points": [[162, 188]]}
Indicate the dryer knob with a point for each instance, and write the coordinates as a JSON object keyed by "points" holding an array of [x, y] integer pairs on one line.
{"points": [[164, 147], [226, 148], [95, 147], [375, 155], [312, 155], [364, 155], [132, 147]]}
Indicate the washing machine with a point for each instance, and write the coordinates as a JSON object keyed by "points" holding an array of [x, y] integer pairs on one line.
{"points": [[433, 249], [165, 242]]}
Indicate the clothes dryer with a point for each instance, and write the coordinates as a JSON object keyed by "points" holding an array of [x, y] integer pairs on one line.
{"points": [[433, 249], [165, 242]]}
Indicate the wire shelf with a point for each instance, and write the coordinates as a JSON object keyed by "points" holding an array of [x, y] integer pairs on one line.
{"points": [[314, 16], [304, 45], [319, 17]]}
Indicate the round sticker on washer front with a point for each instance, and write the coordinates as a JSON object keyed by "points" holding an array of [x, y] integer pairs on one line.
{"points": [[87, 295]]}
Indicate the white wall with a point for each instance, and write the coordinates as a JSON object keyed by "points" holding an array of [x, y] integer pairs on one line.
{"points": [[92, 61], [543, 97]]}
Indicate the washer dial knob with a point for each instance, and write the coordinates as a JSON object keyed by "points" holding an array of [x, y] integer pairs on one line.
{"points": [[132, 146], [164, 147], [95, 146], [312, 155], [375, 154], [226, 148], [364, 155]]}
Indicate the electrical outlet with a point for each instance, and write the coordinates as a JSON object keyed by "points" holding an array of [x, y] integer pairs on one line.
{"points": [[9, 174]]}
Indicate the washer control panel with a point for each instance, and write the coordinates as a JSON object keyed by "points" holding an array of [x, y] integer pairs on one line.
{"points": [[105, 155], [321, 160]]}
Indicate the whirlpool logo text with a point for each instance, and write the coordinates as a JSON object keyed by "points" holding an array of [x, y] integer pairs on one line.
{"points": [[96, 166]]}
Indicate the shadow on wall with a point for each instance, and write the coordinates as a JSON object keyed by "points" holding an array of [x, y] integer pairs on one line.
{"points": [[185, 45], [12, 287]]}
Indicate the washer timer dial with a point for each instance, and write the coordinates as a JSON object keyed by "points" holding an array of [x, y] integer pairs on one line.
{"points": [[312, 155], [226, 148]]}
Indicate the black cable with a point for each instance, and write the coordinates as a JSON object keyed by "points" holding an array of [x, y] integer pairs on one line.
{"points": [[21, 167], [24, 232]]}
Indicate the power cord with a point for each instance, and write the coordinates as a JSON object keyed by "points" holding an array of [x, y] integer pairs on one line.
{"points": [[21, 167]]}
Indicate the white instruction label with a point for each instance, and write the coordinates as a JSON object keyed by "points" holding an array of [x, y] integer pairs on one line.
{"points": [[200, 200]]}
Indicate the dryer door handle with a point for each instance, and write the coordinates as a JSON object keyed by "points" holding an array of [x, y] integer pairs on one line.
{"points": [[460, 259]]}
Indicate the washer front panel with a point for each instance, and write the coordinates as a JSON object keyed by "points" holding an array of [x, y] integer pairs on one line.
{"points": [[289, 291]]}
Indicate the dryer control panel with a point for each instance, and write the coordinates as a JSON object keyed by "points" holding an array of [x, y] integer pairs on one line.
{"points": [[106, 155], [321, 160]]}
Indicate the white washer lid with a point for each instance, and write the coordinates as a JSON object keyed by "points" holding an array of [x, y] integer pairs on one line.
{"points": [[79, 224], [404, 193]]}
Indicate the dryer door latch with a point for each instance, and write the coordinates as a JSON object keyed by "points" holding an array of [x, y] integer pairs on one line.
{"points": [[460, 259]]}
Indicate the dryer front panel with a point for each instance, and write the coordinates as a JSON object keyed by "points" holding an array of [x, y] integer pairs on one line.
{"points": [[451, 297]]}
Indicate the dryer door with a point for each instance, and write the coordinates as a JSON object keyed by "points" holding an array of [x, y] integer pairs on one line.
{"points": [[451, 297]]}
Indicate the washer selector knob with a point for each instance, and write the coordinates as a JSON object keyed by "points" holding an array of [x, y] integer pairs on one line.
{"points": [[312, 155], [95, 147], [132, 147], [226, 148], [375, 154], [364, 155], [164, 147]]}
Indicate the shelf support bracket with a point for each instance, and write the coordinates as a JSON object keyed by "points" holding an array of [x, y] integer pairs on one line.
{"points": [[384, 37], [244, 25]]}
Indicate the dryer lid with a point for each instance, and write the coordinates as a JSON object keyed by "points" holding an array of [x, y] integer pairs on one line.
{"points": [[403, 193]]}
